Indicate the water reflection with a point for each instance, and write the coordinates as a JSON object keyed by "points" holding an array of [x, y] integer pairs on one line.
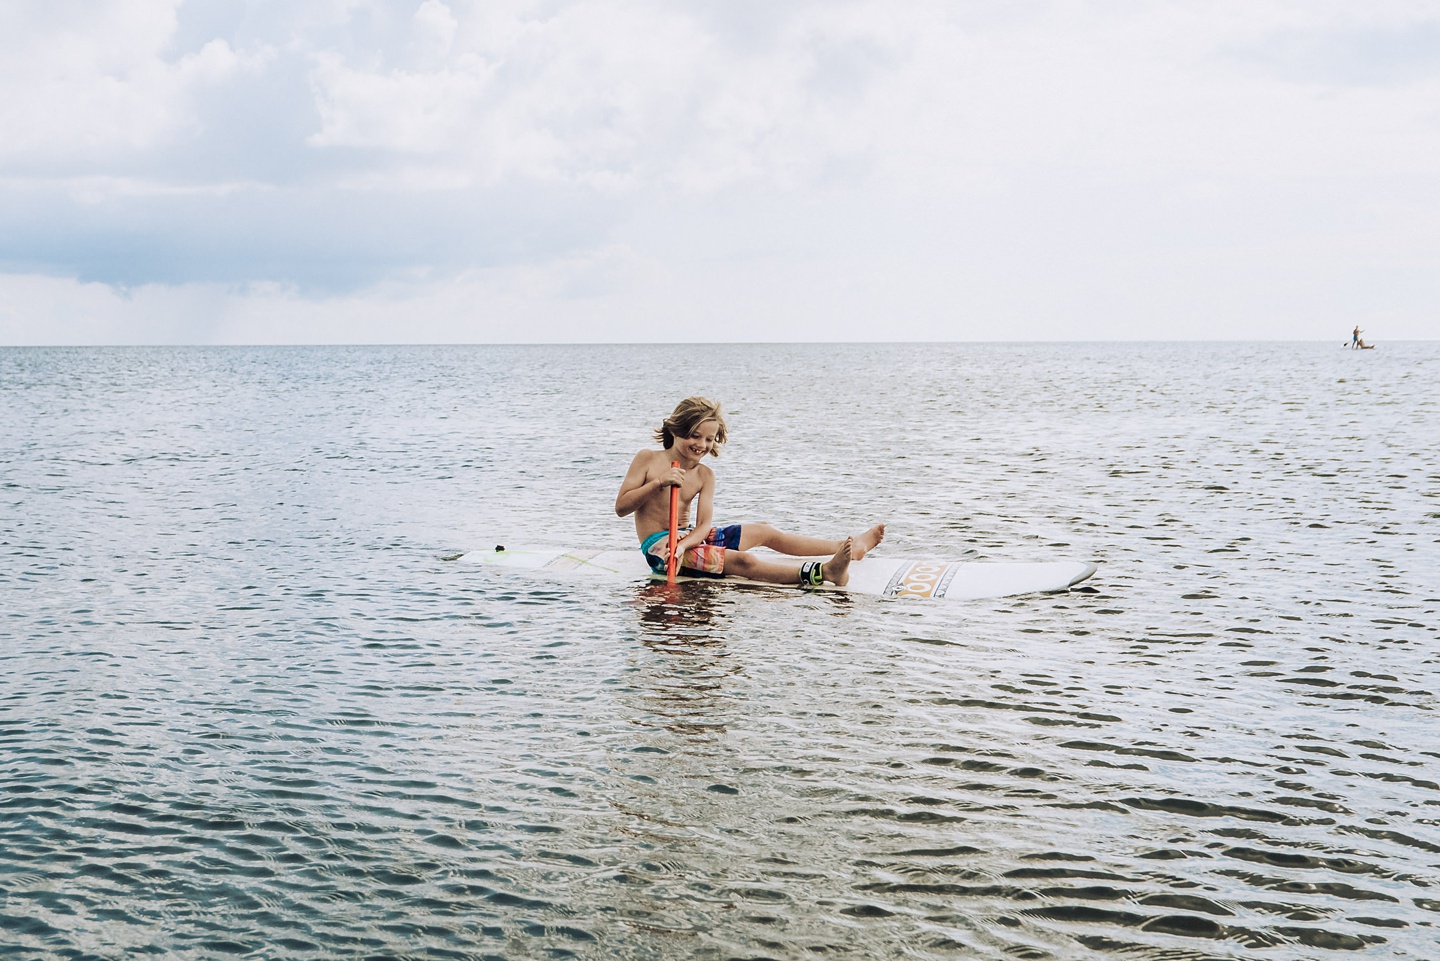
{"points": [[682, 613], [683, 662], [674, 765]]}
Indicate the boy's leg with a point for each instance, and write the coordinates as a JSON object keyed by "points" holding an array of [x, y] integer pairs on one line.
{"points": [[798, 545], [741, 564]]}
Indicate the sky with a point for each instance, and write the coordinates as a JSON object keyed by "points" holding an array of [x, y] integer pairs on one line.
{"points": [[700, 171]]}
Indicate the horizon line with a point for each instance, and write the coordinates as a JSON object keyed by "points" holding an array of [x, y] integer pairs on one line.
{"points": [[698, 343]]}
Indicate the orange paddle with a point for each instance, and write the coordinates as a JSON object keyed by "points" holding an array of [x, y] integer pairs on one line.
{"points": [[670, 562]]}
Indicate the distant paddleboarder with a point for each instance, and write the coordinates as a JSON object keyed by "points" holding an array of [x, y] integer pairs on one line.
{"points": [[695, 429], [1355, 337]]}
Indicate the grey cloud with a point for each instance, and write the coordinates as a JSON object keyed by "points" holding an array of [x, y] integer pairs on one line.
{"points": [[322, 240], [1372, 56], [236, 194], [281, 216]]}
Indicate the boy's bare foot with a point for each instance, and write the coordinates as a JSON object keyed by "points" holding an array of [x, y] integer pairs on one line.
{"points": [[866, 542], [837, 568]]}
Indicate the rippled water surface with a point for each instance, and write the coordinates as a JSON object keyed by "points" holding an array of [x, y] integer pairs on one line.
{"points": [[249, 710]]}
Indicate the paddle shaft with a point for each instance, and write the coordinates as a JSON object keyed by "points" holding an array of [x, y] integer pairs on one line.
{"points": [[671, 562]]}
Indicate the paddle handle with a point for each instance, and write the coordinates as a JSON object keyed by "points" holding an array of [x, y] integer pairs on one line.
{"points": [[670, 561]]}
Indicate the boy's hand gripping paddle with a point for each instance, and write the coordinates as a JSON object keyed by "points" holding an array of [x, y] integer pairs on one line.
{"points": [[670, 562]]}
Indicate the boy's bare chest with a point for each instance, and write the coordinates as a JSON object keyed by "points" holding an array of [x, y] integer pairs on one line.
{"points": [[694, 480]]}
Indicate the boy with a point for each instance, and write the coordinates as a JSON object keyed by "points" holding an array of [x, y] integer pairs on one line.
{"points": [[697, 428]]}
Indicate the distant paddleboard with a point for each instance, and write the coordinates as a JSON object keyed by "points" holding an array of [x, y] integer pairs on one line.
{"points": [[881, 576]]}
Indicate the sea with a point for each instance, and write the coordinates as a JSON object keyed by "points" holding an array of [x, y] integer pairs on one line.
{"points": [[252, 708]]}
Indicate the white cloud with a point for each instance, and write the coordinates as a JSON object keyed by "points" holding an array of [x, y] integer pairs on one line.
{"points": [[397, 110], [435, 28], [597, 166], [67, 91]]}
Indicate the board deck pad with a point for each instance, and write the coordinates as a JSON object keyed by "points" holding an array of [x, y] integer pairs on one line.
{"points": [[878, 575]]}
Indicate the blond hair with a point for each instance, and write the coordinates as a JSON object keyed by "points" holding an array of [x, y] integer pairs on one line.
{"points": [[689, 414]]}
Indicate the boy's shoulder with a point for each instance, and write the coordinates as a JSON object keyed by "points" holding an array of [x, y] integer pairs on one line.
{"points": [[651, 454], [663, 458], [651, 459]]}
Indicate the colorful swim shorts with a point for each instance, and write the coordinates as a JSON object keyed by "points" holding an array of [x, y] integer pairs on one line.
{"points": [[707, 560]]}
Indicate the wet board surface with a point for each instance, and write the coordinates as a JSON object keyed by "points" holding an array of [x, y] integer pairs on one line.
{"points": [[876, 574]]}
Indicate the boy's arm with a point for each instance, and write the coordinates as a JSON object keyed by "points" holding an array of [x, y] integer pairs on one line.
{"points": [[636, 489], [704, 513], [633, 489]]}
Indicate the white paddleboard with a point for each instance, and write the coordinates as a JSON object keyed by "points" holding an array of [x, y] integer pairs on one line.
{"points": [[879, 575]]}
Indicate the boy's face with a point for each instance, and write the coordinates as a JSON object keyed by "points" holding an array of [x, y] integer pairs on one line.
{"points": [[701, 440]]}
